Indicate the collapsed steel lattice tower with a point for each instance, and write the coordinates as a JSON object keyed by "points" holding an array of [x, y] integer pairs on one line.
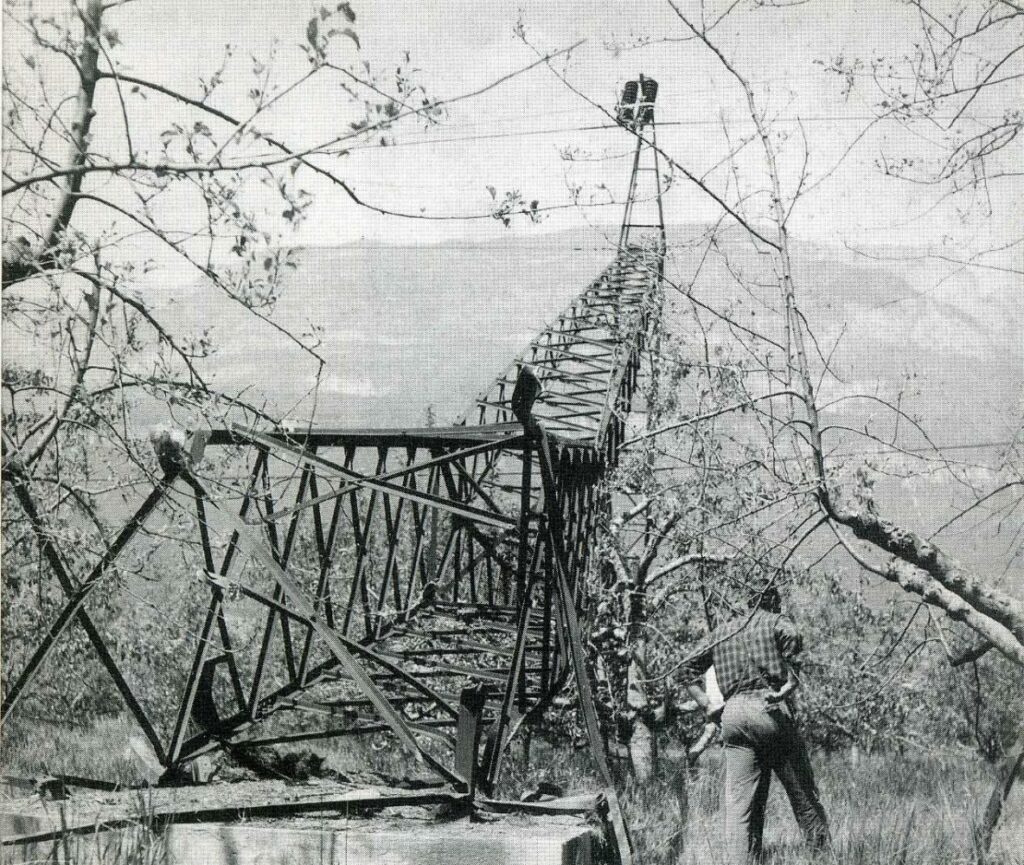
{"points": [[425, 581]]}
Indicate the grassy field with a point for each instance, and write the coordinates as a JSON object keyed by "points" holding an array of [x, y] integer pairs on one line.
{"points": [[908, 809], [911, 809], [881, 810]]}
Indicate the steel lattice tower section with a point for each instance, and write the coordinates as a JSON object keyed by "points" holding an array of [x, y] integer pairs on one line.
{"points": [[427, 582]]}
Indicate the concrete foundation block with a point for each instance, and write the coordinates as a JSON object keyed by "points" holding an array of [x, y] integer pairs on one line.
{"points": [[243, 845], [233, 844]]}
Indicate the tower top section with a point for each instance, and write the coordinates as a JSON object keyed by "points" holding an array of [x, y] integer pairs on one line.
{"points": [[643, 222], [636, 107]]}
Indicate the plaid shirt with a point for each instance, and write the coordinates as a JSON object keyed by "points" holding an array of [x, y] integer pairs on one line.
{"points": [[748, 654]]}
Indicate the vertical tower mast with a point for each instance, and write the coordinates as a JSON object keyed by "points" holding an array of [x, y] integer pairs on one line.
{"points": [[643, 222]]}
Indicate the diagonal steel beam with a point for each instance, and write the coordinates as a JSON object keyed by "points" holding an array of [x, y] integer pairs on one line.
{"points": [[467, 512], [20, 483], [524, 398], [81, 595], [501, 444]]}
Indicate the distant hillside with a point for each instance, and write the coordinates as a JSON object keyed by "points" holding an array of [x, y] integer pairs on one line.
{"points": [[405, 328]]}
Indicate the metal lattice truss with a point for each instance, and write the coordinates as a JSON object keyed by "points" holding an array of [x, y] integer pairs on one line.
{"points": [[427, 582]]}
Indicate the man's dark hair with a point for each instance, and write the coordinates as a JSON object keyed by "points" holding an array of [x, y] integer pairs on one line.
{"points": [[767, 598]]}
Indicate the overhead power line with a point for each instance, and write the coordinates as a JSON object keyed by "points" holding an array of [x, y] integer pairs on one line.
{"points": [[860, 118]]}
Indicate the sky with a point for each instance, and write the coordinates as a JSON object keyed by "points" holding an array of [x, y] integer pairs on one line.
{"points": [[510, 137]]}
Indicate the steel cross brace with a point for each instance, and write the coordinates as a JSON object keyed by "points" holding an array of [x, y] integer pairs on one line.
{"points": [[77, 596]]}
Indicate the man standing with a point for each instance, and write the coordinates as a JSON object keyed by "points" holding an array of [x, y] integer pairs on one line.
{"points": [[751, 655]]}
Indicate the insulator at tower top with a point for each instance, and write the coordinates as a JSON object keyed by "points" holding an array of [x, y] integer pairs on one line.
{"points": [[636, 107]]}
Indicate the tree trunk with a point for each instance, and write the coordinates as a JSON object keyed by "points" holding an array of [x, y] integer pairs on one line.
{"points": [[961, 593], [643, 749], [19, 259], [643, 741], [1004, 783]]}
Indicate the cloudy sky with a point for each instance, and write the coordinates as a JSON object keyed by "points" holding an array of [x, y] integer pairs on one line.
{"points": [[511, 136]]}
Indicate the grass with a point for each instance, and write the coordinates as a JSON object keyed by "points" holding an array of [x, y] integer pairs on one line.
{"points": [[111, 749], [901, 809], [904, 809], [138, 845], [885, 809]]}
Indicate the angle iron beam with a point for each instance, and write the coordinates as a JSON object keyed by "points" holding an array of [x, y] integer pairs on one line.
{"points": [[497, 736], [323, 594], [569, 408], [439, 437], [465, 511], [416, 563], [382, 659], [604, 360], [201, 658], [426, 727], [45, 540], [519, 360], [70, 611], [360, 573], [558, 421], [576, 400], [590, 340], [250, 810], [281, 558], [547, 374], [565, 596], [486, 447], [475, 485]]}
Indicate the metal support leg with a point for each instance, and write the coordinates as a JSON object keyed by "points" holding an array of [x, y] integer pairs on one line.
{"points": [[467, 736]]}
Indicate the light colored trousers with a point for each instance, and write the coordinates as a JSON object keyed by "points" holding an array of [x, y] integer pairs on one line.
{"points": [[758, 741]]}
